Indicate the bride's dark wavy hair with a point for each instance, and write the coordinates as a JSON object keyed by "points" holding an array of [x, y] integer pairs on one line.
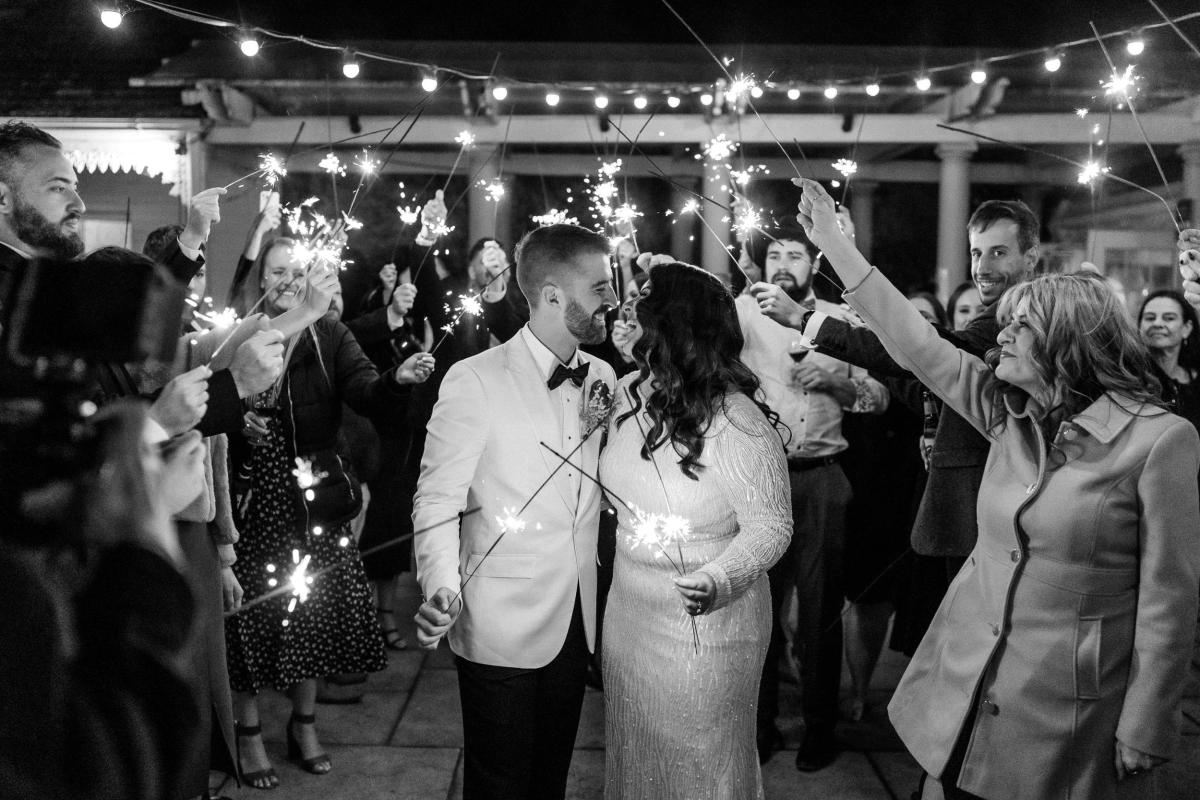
{"points": [[690, 348]]}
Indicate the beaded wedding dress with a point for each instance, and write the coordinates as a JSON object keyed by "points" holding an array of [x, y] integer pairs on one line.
{"points": [[680, 705]]}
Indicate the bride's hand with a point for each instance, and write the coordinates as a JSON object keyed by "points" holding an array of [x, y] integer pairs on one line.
{"points": [[819, 216], [698, 591]]}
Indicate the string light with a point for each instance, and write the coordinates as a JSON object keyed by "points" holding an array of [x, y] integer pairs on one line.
{"points": [[1136, 44], [111, 16], [793, 93], [429, 81], [923, 83], [601, 101], [706, 99], [350, 67], [756, 92], [499, 92], [552, 99], [979, 75], [831, 92], [672, 101], [249, 44], [872, 90], [640, 102], [1053, 61]]}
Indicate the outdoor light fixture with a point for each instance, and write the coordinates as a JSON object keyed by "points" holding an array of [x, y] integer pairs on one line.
{"points": [[706, 99], [793, 93], [1053, 62], [1136, 44], [111, 16], [756, 92], [923, 83], [248, 43], [552, 99], [831, 92], [601, 101], [672, 101], [872, 90], [499, 92], [429, 81], [979, 75], [640, 102], [350, 67]]}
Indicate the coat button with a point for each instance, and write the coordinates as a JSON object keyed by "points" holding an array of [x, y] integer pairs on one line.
{"points": [[1015, 555]]}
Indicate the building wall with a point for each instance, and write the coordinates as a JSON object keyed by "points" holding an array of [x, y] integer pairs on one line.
{"points": [[107, 195]]}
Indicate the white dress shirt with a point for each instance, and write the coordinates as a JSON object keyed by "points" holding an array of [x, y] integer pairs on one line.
{"points": [[568, 397]]}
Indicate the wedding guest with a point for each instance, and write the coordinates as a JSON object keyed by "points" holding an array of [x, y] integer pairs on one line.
{"points": [[1168, 327], [965, 304], [279, 641], [1056, 663], [689, 441]]}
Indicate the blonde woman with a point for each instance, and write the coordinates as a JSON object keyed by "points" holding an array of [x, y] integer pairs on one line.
{"points": [[1055, 664]]}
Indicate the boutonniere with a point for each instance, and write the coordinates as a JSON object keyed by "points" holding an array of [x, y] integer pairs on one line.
{"points": [[598, 408]]}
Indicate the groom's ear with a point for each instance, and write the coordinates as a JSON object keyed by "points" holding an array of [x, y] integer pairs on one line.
{"points": [[550, 295]]}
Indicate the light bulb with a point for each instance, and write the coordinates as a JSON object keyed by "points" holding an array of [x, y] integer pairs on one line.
{"points": [[672, 101], [1053, 62], [601, 101], [250, 47], [706, 99], [978, 75], [429, 82], [793, 93], [872, 89], [640, 102], [1136, 45], [756, 92], [350, 67], [923, 83], [499, 92], [552, 99], [111, 17], [830, 92]]}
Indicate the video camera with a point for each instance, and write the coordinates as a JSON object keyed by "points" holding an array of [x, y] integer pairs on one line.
{"points": [[60, 321]]}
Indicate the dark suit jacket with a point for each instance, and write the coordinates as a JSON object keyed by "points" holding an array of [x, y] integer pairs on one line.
{"points": [[946, 524]]}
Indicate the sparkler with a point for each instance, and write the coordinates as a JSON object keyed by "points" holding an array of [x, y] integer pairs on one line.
{"points": [[332, 164], [466, 140], [408, 214], [468, 304], [494, 190], [693, 207], [1121, 85], [270, 168], [554, 217], [846, 167]]}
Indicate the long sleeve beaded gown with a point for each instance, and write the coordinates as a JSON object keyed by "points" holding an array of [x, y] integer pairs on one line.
{"points": [[680, 719]]}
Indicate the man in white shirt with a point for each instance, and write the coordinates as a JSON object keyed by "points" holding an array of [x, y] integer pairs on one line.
{"points": [[810, 391], [511, 582]]}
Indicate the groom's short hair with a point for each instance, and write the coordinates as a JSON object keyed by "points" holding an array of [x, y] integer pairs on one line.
{"points": [[552, 250]]}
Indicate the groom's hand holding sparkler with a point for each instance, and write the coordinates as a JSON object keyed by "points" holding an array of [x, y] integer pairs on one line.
{"points": [[435, 616], [204, 210]]}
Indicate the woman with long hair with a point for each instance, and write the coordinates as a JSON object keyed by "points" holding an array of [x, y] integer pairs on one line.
{"points": [[1055, 665], [696, 470], [307, 609]]}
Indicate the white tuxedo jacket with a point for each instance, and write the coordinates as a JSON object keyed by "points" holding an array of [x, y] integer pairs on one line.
{"points": [[482, 451]]}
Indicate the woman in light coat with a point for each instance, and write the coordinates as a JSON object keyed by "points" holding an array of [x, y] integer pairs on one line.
{"points": [[1055, 665]]}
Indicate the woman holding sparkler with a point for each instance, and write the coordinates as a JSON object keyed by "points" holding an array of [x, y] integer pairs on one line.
{"points": [[1055, 665], [326, 623], [704, 511]]}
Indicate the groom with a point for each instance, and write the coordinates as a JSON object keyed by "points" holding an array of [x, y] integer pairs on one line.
{"points": [[525, 622]]}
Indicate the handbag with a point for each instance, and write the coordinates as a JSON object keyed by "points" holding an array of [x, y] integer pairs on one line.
{"points": [[333, 494]]}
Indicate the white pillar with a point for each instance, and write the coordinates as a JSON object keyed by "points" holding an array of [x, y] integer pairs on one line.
{"points": [[862, 214], [714, 252], [954, 198], [1190, 153], [481, 210]]}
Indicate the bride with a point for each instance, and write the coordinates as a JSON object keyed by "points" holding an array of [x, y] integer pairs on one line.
{"points": [[696, 470]]}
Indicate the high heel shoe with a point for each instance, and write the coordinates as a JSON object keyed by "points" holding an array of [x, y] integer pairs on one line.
{"points": [[264, 779], [318, 764], [392, 639]]}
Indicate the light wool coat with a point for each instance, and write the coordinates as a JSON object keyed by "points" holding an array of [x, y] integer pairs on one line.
{"points": [[1072, 622]]}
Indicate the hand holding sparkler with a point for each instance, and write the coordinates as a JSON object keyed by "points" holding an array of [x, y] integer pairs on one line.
{"points": [[433, 219], [435, 616], [387, 277], [257, 362], [698, 590], [820, 218], [204, 210], [403, 299], [416, 369], [183, 401], [776, 304], [321, 284]]}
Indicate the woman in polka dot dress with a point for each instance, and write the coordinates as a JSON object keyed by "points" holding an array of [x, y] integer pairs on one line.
{"points": [[286, 641]]}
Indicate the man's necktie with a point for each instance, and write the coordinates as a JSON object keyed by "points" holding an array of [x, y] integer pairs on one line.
{"points": [[562, 374]]}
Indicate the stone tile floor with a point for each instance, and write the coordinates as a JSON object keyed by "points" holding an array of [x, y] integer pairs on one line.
{"points": [[404, 742]]}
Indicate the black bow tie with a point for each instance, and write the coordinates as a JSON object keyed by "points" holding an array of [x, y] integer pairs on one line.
{"points": [[562, 374]]}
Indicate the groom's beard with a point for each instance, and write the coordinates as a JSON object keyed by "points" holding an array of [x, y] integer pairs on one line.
{"points": [[587, 328]]}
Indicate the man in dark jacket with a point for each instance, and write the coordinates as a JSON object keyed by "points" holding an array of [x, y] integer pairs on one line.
{"points": [[1004, 237]]}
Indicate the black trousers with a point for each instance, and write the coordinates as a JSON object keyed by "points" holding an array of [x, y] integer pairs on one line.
{"points": [[519, 725]]}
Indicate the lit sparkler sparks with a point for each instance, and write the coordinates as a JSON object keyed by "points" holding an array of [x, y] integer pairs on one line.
{"points": [[1121, 85], [219, 320], [1090, 172], [719, 148], [272, 168], [657, 531], [306, 476], [493, 190], [299, 581], [408, 214], [332, 164], [554, 217], [350, 223], [466, 139], [1081, 112], [740, 87], [368, 165], [846, 167], [510, 522], [746, 219]]}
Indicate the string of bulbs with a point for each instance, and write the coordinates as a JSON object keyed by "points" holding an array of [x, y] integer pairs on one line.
{"points": [[251, 37]]}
